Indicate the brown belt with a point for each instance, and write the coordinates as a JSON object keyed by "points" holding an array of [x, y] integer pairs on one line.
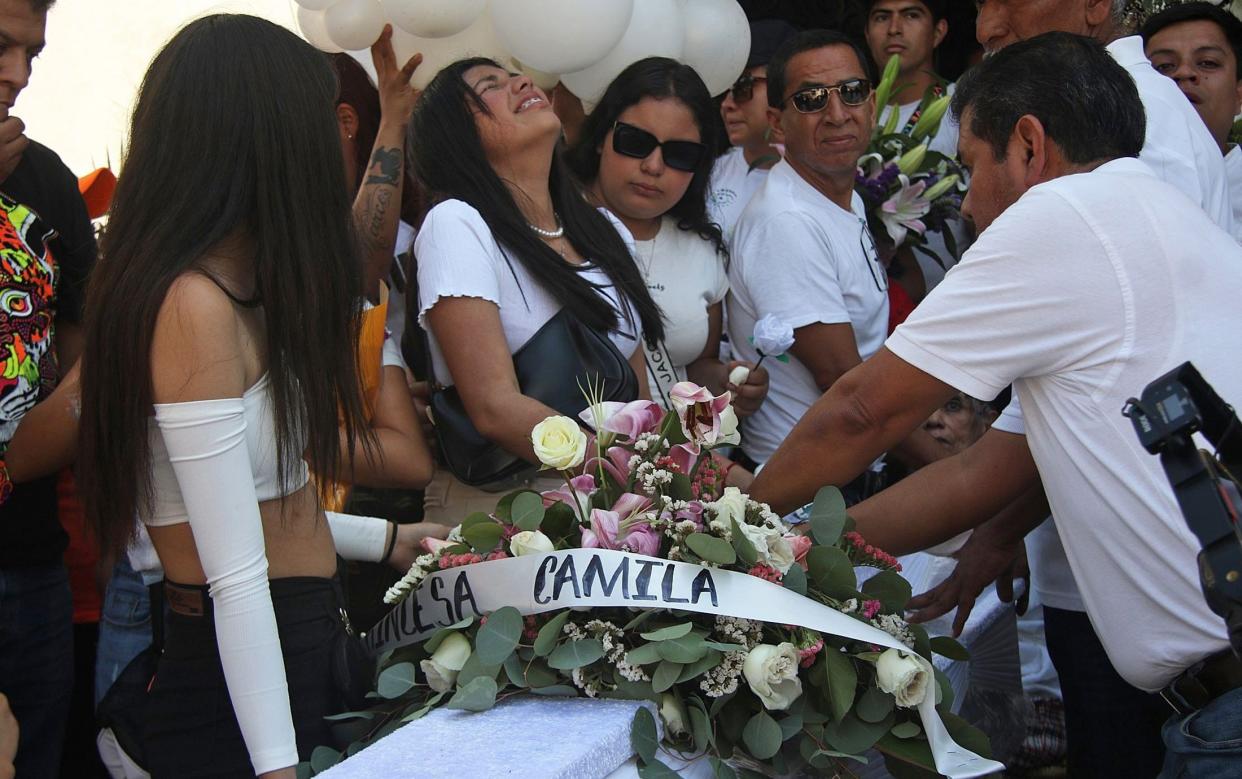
{"points": [[1204, 682]]}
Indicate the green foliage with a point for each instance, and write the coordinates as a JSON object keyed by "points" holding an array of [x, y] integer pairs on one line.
{"points": [[643, 655], [853, 736], [550, 633], [712, 549], [477, 695], [654, 769], [762, 736], [874, 705], [704, 664], [575, 654], [795, 579], [666, 675], [431, 644], [643, 735], [474, 667], [527, 511], [396, 680], [746, 551], [842, 681], [890, 589], [323, 758], [483, 537], [559, 520], [828, 516], [831, 571], [943, 645], [687, 649], [672, 631], [499, 636]]}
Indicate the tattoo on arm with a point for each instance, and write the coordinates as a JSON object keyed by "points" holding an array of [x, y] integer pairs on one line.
{"points": [[388, 161], [379, 207]]}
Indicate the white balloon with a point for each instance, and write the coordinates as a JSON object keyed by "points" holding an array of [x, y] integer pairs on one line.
{"points": [[315, 5], [477, 40], [717, 41], [354, 24], [545, 81], [433, 18], [561, 36], [312, 27], [657, 29]]}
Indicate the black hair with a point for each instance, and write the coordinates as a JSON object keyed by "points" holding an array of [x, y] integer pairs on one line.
{"points": [[233, 136], [939, 9], [1087, 103], [1229, 25], [450, 162], [809, 40], [660, 78], [42, 6]]}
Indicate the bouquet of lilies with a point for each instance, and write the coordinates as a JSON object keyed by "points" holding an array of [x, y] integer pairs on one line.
{"points": [[907, 188], [752, 697]]}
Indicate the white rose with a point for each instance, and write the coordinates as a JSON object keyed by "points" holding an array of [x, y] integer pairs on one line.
{"points": [[780, 553], [530, 542], [559, 443], [731, 505], [728, 427], [758, 538], [772, 673], [449, 658], [901, 674], [673, 712]]}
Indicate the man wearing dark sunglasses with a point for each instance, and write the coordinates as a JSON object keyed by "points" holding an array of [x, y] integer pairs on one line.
{"points": [[739, 171], [802, 252]]}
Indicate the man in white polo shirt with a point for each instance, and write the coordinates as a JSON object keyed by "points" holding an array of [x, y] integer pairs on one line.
{"points": [[1177, 147], [801, 251], [1090, 278]]}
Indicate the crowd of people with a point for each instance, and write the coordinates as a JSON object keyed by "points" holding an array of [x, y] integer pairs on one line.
{"points": [[311, 284]]}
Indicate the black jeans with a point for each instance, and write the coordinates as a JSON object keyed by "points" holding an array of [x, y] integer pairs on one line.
{"points": [[191, 730], [1112, 728]]}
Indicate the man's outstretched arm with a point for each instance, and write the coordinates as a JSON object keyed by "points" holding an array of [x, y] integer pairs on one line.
{"points": [[867, 411]]}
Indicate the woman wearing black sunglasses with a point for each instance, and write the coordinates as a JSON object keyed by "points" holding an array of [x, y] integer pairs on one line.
{"points": [[646, 153], [511, 244]]}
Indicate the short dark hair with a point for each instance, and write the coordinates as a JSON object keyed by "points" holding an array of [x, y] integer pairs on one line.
{"points": [[1087, 103], [1229, 24], [42, 6], [809, 40], [939, 9]]}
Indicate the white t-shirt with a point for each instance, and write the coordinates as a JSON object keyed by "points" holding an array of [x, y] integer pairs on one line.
{"points": [[459, 258], [1051, 577], [731, 187], [1178, 146], [685, 275], [1233, 174], [1080, 294], [804, 259]]}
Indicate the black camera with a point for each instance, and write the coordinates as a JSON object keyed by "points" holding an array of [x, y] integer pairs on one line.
{"points": [[1170, 412]]}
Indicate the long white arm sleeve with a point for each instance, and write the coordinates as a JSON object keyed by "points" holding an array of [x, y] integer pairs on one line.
{"points": [[358, 538], [206, 442]]}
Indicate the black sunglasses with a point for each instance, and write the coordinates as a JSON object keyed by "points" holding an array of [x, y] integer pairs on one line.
{"points": [[744, 88], [636, 142], [812, 99]]}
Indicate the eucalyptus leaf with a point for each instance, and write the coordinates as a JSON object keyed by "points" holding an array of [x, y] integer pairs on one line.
{"points": [[550, 633], [795, 579], [890, 589], [672, 631], [746, 551], [499, 635], [643, 655], [483, 537], [473, 668], [762, 736], [504, 507], [842, 681], [431, 644], [644, 738], [350, 715], [639, 619], [575, 654], [831, 571], [558, 520], [478, 695], [681, 488], [527, 511], [790, 726], [853, 736], [721, 769], [538, 674], [700, 727], [324, 758], [943, 645], [686, 649], [556, 690], [721, 647], [396, 680], [654, 769], [906, 730], [665, 675], [712, 549], [874, 705], [476, 518], [828, 516], [303, 770], [702, 665], [513, 670]]}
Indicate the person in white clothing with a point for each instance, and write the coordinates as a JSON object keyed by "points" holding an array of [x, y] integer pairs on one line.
{"points": [[912, 30], [1199, 46], [803, 252], [645, 155], [1177, 146], [754, 144], [1050, 127]]}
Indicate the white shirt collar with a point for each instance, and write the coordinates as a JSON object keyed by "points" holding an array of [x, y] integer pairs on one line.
{"points": [[1128, 51], [803, 190]]}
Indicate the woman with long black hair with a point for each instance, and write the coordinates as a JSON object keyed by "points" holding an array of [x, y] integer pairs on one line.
{"points": [[221, 338], [646, 152], [510, 245]]}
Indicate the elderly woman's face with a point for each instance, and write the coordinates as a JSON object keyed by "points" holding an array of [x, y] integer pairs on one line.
{"points": [[517, 113], [956, 425]]}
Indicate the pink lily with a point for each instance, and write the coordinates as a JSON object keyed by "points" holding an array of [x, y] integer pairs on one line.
{"points": [[699, 413], [628, 420], [612, 529], [578, 499], [903, 212]]}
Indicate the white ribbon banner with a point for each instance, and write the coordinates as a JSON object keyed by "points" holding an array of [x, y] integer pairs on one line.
{"points": [[601, 578]]}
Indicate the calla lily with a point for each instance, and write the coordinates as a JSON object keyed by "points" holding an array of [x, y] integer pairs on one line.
{"points": [[903, 212]]}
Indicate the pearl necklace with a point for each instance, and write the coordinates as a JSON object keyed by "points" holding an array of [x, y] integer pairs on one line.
{"points": [[557, 233]]}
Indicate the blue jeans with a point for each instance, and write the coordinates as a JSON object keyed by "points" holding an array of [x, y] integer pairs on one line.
{"points": [[36, 662], [1206, 744], [124, 625]]}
